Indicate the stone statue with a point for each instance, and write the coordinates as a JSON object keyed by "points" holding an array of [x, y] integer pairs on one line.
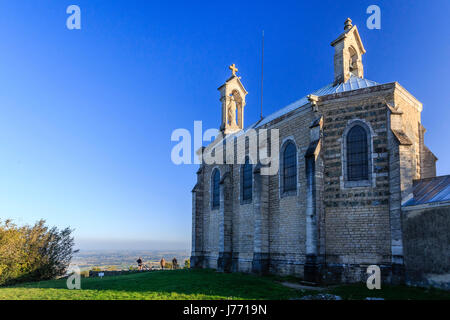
{"points": [[232, 111], [353, 64], [235, 104]]}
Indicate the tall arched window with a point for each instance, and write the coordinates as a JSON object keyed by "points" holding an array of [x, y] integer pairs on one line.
{"points": [[247, 177], [357, 154], [290, 167], [215, 189]]}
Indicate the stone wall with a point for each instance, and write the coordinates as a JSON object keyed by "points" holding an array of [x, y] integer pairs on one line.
{"points": [[427, 158], [427, 245], [210, 219], [356, 217], [287, 220], [345, 227]]}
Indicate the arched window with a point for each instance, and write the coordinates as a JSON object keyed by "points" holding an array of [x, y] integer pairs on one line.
{"points": [[290, 168], [247, 179], [215, 189], [353, 62], [357, 154]]}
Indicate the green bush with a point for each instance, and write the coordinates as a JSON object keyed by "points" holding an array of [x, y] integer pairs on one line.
{"points": [[187, 263], [84, 274], [33, 253]]}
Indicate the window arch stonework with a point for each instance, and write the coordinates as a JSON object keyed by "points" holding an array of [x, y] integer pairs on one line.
{"points": [[356, 155], [288, 177], [215, 189], [246, 179]]}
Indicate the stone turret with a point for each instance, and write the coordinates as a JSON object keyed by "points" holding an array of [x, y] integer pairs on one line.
{"points": [[232, 96], [348, 51]]}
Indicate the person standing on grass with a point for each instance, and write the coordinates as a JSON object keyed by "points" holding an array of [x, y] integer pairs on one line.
{"points": [[163, 263], [139, 262], [174, 263]]}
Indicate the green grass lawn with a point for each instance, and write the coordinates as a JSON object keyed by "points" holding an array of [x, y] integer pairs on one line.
{"points": [[177, 284], [196, 284]]}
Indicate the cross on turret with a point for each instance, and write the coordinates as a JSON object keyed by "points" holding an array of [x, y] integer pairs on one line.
{"points": [[233, 69]]}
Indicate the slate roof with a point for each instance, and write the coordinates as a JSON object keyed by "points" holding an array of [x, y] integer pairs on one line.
{"points": [[353, 83], [430, 190]]}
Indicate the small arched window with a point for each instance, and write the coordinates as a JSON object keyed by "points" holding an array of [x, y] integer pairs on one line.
{"points": [[215, 189], [353, 62], [247, 178], [290, 168], [357, 154]]}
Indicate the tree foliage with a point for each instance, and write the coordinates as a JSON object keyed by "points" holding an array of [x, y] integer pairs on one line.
{"points": [[33, 253]]}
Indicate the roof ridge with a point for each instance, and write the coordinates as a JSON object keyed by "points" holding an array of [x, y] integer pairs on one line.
{"points": [[325, 90]]}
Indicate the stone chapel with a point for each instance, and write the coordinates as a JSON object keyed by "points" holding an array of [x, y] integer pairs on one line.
{"points": [[350, 157]]}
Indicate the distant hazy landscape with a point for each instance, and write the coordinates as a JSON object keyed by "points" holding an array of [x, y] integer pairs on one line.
{"points": [[123, 259]]}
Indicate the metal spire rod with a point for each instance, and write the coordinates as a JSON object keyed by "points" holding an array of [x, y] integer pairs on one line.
{"points": [[262, 74]]}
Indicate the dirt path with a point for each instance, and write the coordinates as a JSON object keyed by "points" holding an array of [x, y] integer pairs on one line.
{"points": [[301, 287]]}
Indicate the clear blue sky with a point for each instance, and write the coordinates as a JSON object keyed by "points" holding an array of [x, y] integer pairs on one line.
{"points": [[86, 115]]}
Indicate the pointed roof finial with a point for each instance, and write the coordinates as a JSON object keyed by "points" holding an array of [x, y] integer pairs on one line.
{"points": [[348, 24]]}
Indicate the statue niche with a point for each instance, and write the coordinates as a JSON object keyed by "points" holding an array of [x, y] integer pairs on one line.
{"points": [[232, 97], [234, 105], [354, 62]]}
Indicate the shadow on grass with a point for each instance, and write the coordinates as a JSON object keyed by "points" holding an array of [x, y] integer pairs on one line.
{"points": [[359, 291]]}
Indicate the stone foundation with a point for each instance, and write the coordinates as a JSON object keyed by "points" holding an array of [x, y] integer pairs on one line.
{"points": [[224, 262], [260, 263], [352, 273], [311, 270], [196, 261]]}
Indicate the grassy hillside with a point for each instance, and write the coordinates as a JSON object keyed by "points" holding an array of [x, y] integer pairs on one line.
{"points": [[177, 284], [198, 284]]}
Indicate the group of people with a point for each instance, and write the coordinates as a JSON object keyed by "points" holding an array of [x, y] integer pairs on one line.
{"points": [[162, 263]]}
